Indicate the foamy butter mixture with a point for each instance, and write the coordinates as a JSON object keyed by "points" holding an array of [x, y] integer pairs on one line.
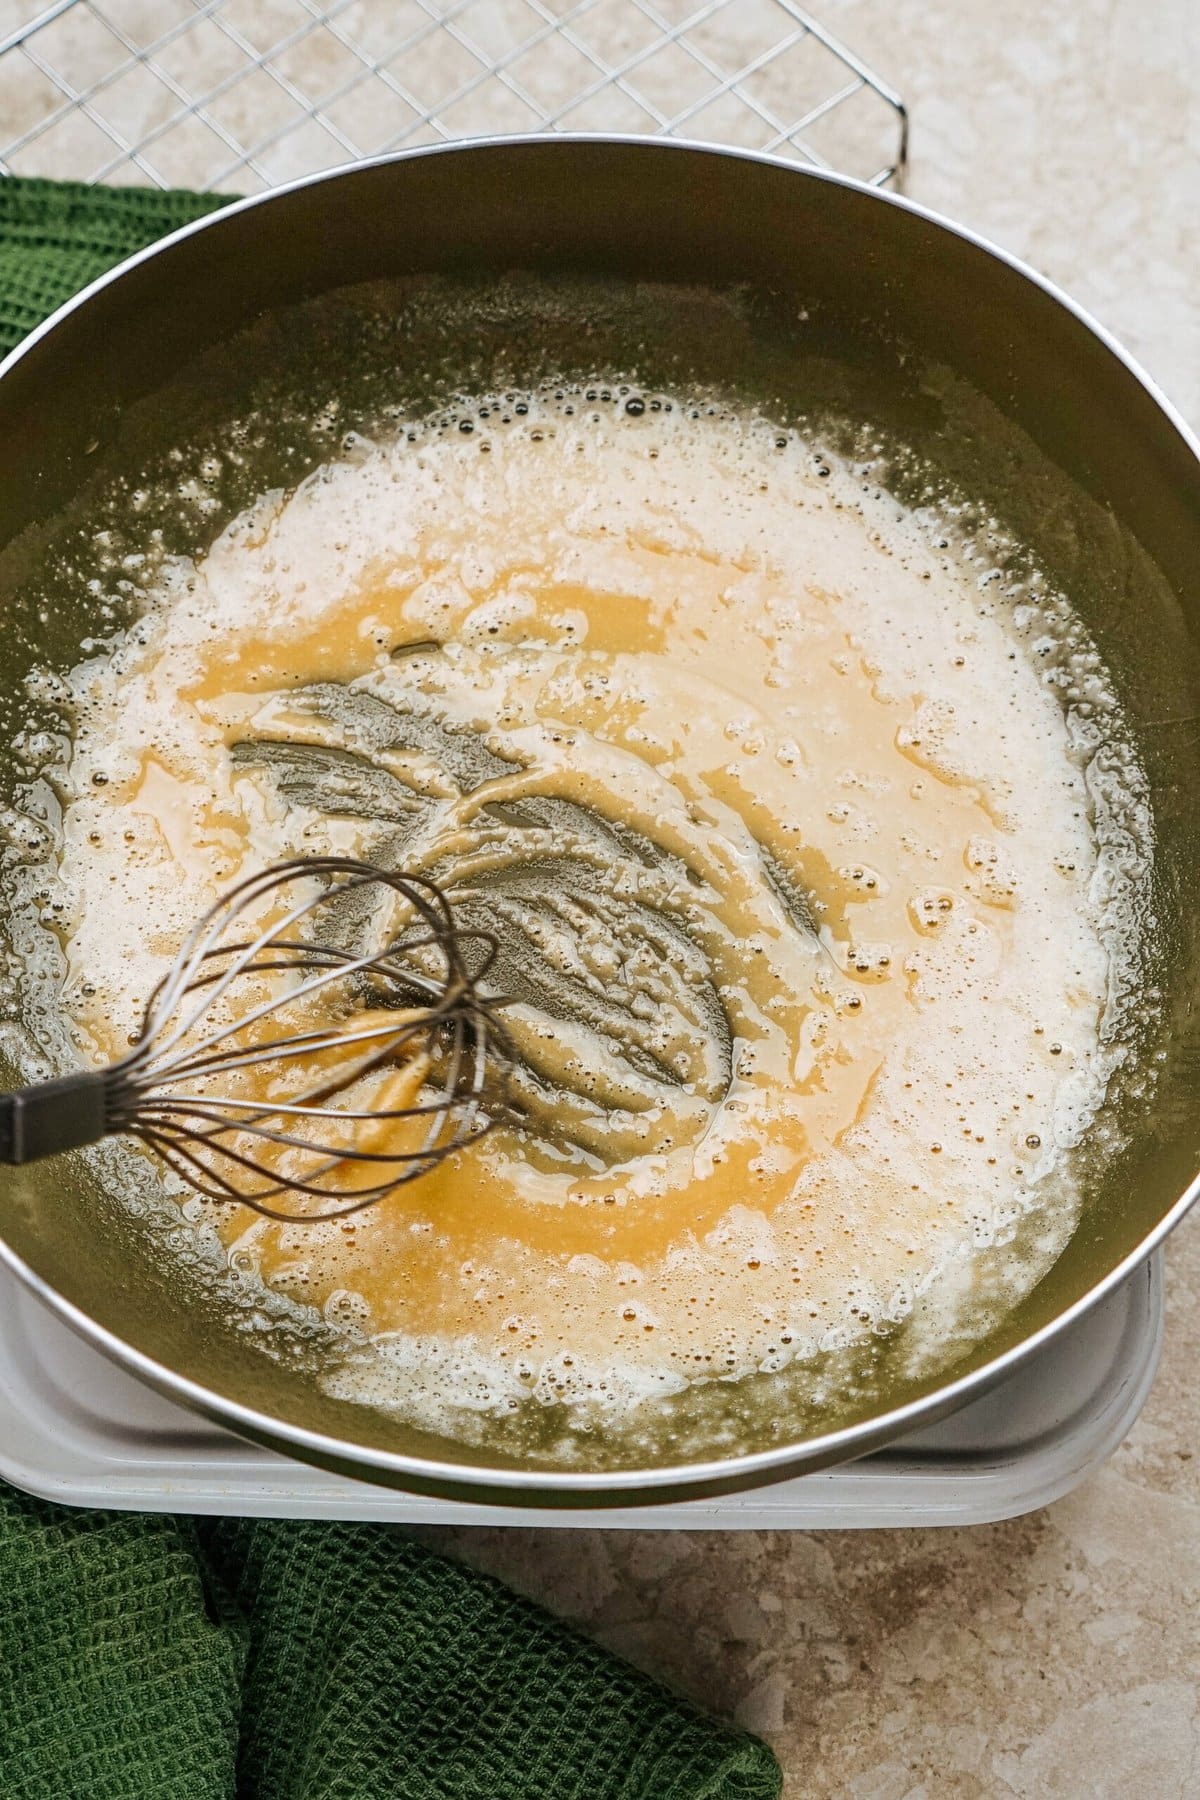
{"points": [[782, 834]]}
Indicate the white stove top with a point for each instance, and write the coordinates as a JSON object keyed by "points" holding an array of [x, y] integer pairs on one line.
{"points": [[75, 1428]]}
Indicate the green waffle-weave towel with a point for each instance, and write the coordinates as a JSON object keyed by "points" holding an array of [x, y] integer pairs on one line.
{"points": [[56, 236], [146, 1658]]}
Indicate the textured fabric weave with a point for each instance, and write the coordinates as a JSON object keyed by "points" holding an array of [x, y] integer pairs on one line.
{"points": [[56, 236], [147, 1658]]}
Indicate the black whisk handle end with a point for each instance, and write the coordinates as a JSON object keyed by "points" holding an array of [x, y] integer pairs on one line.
{"points": [[53, 1116]]}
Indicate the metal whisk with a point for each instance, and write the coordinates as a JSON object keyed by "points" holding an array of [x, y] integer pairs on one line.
{"points": [[275, 1060]]}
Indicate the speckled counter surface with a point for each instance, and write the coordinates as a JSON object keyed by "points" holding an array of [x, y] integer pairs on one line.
{"points": [[1059, 1655], [1056, 1657]]}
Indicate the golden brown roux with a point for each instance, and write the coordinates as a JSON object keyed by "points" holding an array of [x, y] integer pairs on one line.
{"points": [[764, 674]]}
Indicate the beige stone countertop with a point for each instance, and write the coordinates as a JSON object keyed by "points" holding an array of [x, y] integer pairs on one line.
{"points": [[1056, 1657]]}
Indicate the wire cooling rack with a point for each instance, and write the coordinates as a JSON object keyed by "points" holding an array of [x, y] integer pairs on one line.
{"points": [[239, 95]]}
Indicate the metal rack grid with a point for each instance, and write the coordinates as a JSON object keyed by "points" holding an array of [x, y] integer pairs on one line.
{"points": [[239, 95]]}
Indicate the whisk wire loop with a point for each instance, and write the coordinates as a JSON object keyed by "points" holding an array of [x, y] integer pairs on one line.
{"points": [[356, 1071], [203, 942]]}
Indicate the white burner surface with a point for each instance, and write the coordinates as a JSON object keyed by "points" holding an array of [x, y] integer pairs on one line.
{"points": [[75, 1428]]}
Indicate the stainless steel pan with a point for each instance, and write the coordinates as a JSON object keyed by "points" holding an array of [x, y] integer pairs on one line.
{"points": [[876, 308]]}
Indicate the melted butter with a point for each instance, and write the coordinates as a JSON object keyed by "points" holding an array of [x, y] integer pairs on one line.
{"points": [[714, 744]]}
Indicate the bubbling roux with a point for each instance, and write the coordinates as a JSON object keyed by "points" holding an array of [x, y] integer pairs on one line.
{"points": [[791, 857]]}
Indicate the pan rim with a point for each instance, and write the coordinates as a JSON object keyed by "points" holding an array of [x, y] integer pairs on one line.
{"points": [[515, 1486]]}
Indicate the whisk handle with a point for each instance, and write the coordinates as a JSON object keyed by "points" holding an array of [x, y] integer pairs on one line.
{"points": [[52, 1116]]}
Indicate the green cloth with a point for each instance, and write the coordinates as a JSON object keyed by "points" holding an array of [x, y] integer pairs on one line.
{"points": [[56, 236], [146, 1658]]}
